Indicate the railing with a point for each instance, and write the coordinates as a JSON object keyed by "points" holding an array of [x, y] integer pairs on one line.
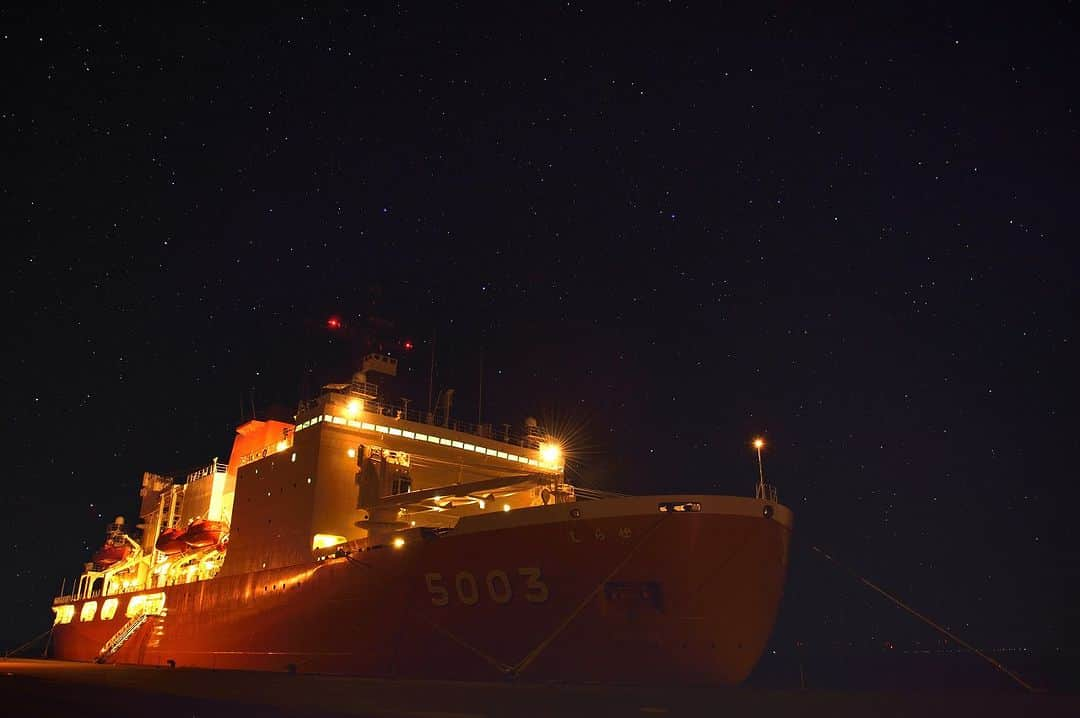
{"points": [[500, 433], [583, 494], [767, 492], [214, 467], [121, 637]]}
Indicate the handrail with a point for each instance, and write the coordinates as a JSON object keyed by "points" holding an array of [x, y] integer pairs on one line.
{"points": [[767, 492], [596, 494], [118, 639], [500, 433], [214, 467]]}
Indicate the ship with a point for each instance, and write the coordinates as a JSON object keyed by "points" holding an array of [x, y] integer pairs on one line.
{"points": [[367, 538]]}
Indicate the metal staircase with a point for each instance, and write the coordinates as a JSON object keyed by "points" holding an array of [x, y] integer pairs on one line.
{"points": [[175, 502], [121, 637]]}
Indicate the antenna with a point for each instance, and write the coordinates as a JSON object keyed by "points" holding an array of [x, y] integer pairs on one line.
{"points": [[431, 373]]}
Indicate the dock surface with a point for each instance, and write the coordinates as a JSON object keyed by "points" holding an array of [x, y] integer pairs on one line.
{"points": [[61, 688]]}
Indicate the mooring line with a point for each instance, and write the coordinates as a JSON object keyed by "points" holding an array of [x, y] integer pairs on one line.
{"points": [[940, 629], [33, 640], [535, 652], [415, 612]]}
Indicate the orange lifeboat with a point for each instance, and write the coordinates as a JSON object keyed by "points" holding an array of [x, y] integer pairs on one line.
{"points": [[109, 554], [203, 533], [171, 541]]}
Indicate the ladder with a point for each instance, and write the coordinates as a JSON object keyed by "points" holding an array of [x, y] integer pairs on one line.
{"points": [[121, 637]]}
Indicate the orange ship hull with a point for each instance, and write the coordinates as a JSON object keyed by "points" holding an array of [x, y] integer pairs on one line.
{"points": [[612, 593]]}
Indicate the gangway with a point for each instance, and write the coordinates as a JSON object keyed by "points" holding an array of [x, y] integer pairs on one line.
{"points": [[121, 636]]}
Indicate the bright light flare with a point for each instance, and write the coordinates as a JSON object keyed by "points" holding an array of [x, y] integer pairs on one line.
{"points": [[398, 542], [333, 323], [759, 443], [550, 454], [354, 407], [326, 541]]}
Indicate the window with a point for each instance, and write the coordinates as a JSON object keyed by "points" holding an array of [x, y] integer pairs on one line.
{"points": [[108, 609], [64, 614], [145, 603], [88, 610], [401, 485]]}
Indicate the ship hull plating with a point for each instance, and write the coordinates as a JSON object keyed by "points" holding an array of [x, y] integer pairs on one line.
{"points": [[634, 597]]}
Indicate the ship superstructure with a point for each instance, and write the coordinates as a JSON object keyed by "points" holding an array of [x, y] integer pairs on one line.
{"points": [[368, 538]]}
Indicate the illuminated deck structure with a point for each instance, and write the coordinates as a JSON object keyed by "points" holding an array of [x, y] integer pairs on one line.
{"points": [[366, 539]]}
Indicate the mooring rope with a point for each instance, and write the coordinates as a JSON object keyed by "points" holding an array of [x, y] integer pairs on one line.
{"points": [[940, 629], [32, 641], [535, 652], [415, 612]]}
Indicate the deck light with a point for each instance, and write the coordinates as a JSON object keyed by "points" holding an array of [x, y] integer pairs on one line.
{"points": [[550, 454], [759, 443]]}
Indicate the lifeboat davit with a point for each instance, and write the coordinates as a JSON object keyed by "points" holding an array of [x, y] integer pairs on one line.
{"points": [[203, 533], [110, 554], [171, 542]]}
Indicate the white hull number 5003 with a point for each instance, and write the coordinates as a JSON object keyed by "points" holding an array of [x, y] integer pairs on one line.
{"points": [[500, 589]]}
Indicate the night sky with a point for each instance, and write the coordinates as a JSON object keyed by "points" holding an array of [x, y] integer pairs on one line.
{"points": [[662, 229]]}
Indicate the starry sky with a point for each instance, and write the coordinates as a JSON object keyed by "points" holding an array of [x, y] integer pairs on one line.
{"points": [[661, 228]]}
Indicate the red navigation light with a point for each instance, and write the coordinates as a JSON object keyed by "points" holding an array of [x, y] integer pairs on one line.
{"points": [[333, 323], [408, 345]]}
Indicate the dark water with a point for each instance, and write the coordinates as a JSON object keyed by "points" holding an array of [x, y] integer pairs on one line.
{"points": [[898, 671]]}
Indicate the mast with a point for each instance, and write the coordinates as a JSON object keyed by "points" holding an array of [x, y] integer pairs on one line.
{"points": [[431, 372]]}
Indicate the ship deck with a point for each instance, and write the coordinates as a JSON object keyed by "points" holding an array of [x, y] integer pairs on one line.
{"points": [[51, 687]]}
